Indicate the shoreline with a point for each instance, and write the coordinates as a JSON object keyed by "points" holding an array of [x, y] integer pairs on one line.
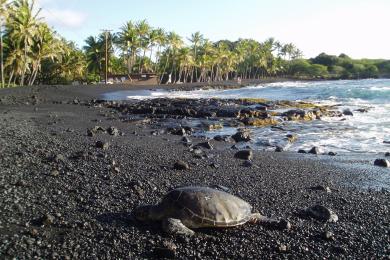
{"points": [[50, 166]]}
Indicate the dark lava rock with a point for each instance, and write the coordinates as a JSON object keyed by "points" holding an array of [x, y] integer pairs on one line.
{"points": [[362, 110], [321, 213], [186, 140], [102, 145], [386, 142], [242, 136], [244, 155], [321, 188], [21, 183], [167, 251], [221, 138], [301, 151], [47, 220], [332, 153], [382, 163], [180, 165], [279, 149], [90, 133], [206, 145], [214, 165], [178, 131], [247, 163], [347, 112], [387, 154], [234, 147], [315, 150], [113, 131]]}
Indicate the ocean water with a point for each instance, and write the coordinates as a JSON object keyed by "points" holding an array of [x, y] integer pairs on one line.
{"points": [[360, 133]]}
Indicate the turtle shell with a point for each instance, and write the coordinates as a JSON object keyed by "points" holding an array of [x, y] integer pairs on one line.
{"points": [[199, 207]]}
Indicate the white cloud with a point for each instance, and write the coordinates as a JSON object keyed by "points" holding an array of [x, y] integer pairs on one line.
{"points": [[64, 18]]}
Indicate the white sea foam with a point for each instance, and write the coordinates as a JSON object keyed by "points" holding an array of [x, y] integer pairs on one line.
{"points": [[363, 132]]}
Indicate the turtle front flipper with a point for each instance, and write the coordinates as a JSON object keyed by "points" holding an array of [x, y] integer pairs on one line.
{"points": [[176, 227], [257, 218]]}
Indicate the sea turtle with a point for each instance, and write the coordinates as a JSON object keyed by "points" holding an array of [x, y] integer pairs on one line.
{"points": [[202, 207]]}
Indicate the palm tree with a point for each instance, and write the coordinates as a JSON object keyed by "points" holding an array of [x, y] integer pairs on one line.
{"points": [[4, 13], [174, 43], [161, 41], [196, 39], [143, 30], [94, 53], [23, 25], [45, 46], [129, 42]]}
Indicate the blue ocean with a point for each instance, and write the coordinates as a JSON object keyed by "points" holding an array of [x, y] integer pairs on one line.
{"points": [[367, 132]]}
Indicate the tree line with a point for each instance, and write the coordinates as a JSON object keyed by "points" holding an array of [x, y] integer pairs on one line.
{"points": [[33, 53]]}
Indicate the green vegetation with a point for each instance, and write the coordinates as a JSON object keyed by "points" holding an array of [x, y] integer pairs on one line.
{"points": [[33, 53]]}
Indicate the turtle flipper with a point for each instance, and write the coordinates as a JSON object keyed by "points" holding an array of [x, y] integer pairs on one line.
{"points": [[257, 218], [176, 227]]}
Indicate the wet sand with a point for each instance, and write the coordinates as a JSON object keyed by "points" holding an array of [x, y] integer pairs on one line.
{"points": [[61, 197]]}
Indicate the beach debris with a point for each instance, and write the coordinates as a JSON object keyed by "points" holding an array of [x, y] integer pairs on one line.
{"points": [[292, 138], [58, 158], [181, 165], [54, 173], [244, 155], [282, 248], [327, 235], [382, 163], [321, 213], [186, 208], [242, 135], [315, 150], [113, 131]]}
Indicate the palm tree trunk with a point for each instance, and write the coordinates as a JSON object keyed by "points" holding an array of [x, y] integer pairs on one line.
{"points": [[10, 78]]}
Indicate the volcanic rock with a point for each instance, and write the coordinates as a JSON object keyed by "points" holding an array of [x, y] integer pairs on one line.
{"points": [[180, 165], [382, 163], [244, 155]]}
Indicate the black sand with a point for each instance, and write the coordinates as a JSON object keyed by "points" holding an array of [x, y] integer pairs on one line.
{"points": [[63, 198]]}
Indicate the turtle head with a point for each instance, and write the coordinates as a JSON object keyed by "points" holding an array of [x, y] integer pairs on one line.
{"points": [[142, 213]]}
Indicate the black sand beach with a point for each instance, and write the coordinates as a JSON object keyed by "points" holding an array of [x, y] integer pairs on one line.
{"points": [[61, 197]]}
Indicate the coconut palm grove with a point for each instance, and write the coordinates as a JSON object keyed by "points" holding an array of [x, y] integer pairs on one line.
{"points": [[32, 53]]}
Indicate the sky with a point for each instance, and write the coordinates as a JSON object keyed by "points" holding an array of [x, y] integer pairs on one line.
{"points": [[359, 28]]}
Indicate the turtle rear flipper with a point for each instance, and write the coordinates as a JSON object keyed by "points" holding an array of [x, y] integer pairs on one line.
{"points": [[257, 218], [176, 227]]}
